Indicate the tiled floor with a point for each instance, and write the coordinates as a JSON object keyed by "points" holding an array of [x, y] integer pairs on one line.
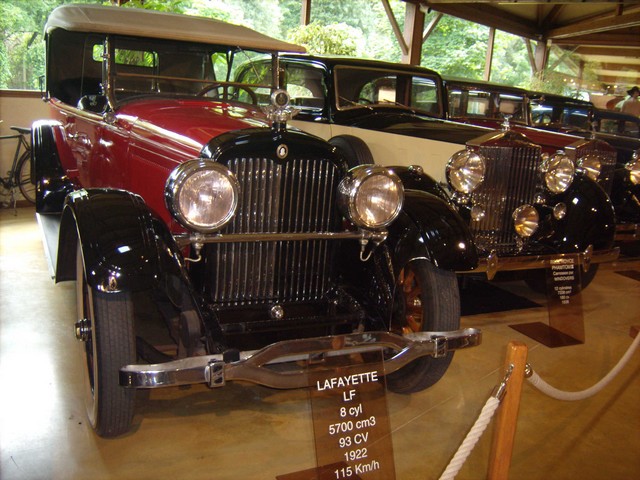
{"points": [[250, 432]]}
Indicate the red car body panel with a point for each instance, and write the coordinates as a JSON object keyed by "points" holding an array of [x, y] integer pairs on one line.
{"points": [[138, 151]]}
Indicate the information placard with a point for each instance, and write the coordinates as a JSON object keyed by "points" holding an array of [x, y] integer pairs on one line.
{"points": [[351, 422], [564, 300]]}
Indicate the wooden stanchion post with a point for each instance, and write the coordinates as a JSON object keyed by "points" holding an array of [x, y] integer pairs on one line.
{"points": [[505, 426]]}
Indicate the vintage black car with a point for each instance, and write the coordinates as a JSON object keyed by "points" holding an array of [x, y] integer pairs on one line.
{"points": [[210, 242], [616, 123], [488, 104], [523, 207], [564, 114], [569, 115]]}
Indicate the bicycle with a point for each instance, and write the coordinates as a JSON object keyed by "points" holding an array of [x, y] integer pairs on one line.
{"points": [[20, 173]]}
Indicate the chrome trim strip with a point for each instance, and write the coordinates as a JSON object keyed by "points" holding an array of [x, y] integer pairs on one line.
{"points": [[253, 366], [185, 239], [493, 264]]}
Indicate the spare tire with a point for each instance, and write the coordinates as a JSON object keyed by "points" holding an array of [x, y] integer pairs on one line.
{"points": [[353, 149]]}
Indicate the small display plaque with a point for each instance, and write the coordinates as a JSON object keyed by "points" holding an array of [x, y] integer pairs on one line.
{"points": [[351, 422], [564, 300]]}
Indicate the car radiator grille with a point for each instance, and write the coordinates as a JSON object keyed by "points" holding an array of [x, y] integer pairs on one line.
{"points": [[296, 196], [510, 181]]}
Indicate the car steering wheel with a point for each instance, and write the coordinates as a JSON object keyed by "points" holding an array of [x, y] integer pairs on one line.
{"points": [[224, 94]]}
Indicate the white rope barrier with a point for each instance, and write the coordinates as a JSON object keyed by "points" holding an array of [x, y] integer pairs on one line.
{"points": [[493, 403], [553, 392], [471, 439]]}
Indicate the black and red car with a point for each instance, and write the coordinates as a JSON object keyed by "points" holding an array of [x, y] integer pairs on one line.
{"points": [[209, 241]]}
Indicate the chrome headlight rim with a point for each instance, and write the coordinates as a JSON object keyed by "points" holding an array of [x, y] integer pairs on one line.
{"points": [[465, 171], [633, 167], [177, 205], [591, 165], [559, 172], [526, 220], [352, 194]]}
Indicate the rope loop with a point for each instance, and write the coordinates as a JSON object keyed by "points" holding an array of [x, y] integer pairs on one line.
{"points": [[553, 392]]}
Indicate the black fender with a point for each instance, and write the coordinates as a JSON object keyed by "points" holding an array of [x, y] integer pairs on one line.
{"points": [[625, 197], [414, 178], [429, 227], [590, 218], [52, 184], [125, 247]]}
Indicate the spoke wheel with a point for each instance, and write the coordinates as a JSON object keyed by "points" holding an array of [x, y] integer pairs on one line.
{"points": [[27, 189], [427, 299], [105, 330]]}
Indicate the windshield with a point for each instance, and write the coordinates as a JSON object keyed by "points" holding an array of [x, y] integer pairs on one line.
{"points": [[483, 104], [543, 113], [77, 73], [148, 67], [366, 87]]}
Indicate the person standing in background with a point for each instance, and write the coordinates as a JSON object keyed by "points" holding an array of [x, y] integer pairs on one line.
{"points": [[632, 104]]}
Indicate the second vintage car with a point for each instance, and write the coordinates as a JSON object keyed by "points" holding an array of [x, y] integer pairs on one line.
{"points": [[209, 242], [559, 113], [523, 206]]}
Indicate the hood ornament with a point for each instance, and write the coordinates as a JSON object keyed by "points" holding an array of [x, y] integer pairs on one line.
{"points": [[506, 125], [279, 112]]}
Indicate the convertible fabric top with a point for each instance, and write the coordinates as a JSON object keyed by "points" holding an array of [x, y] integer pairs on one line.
{"points": [[148, 23]]}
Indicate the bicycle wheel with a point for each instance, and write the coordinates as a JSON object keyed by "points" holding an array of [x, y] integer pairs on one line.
{"points": [[23, 178]]}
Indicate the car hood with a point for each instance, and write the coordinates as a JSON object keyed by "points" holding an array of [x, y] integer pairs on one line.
{"points": [[194, 122], [404, 123]]}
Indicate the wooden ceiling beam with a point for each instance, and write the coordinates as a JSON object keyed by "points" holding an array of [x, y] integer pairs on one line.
{"points": [[610, 51], [604, 39], [595, 25], [487, 15]]}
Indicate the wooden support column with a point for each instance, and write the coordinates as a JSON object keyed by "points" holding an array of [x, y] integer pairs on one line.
{"points": [[396, 28], [413, 27], [506, 421], [305, 12], [541, 57], [489, 58]]}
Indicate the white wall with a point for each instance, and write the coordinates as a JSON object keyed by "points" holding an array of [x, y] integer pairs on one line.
{"points": [[21, 109]]}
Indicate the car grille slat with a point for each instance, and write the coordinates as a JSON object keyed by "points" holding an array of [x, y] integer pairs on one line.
{"points": [[292, 197], [510, 181]]}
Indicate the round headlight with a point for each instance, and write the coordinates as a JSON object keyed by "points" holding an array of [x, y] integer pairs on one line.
{"points": [[558, 173], [591, 165], [633, 166], [465, 171], [371, 196], [526, 220], [202, 195]]}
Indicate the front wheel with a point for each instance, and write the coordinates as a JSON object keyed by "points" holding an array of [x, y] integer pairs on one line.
{"points": [[427, 299], [27, 189], [105, 328]]}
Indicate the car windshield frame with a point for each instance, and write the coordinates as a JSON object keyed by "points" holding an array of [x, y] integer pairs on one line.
{"points": [[148, 67], [560, 114], [371, 87], [497, 104]]}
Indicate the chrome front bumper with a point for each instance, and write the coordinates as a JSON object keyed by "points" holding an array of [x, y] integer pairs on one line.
{"points": [[266, 366], [493, 264]]}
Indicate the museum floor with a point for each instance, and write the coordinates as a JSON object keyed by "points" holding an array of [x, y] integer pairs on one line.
{"points": [[248, 432]]}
